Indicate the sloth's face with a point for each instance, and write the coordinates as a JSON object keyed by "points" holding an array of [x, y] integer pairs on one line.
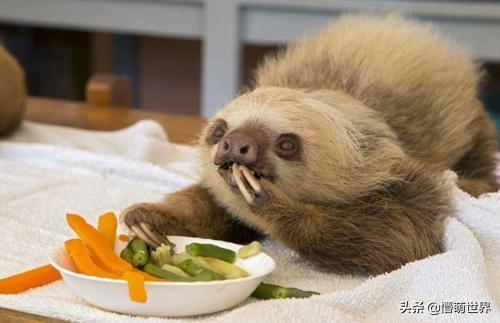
{"points": [[253, 145], [303, 143]]}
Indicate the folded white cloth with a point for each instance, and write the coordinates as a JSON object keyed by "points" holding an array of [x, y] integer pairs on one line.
{"points": [[47, 171]]}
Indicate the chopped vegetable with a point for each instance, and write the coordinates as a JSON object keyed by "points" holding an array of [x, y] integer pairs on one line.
{"points": [[136, 288], [180, 257], [156, 271], [127, 254], [229, 271], [200, 261], [210, 250], [29, 279], [140, 249], [249, 250], [107, 227], [175, 270], [162, 255], [269, 291], [200, 273], [99, 246], [81, 258], [223, 268]]}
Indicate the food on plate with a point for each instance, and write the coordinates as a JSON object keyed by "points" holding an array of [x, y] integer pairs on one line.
{"points": [[82, 260], [136, 288], [249, 250], [198, 272], [162, 255], [140, 250], [210, 250], [98, 245], [175, 270], [159, 272], [107, 227]]}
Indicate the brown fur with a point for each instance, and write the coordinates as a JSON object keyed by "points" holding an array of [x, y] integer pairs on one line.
{"points": [[381, 106], [12, 93]]}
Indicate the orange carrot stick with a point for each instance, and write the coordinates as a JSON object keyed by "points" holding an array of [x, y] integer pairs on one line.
{"points": [[29, 279], [136, 288], [107, 227], [98, 245], [81, 258]]}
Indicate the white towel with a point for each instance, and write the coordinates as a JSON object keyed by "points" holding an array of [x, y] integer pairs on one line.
{"points": [[47, 171]]}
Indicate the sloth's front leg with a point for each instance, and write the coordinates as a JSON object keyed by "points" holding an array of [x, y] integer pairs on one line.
{"points": [[189, 212], [334, 236]]}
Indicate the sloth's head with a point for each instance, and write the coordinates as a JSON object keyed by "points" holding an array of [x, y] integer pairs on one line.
{"points": [[315, 146]]}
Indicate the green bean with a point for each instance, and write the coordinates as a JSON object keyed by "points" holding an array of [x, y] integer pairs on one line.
{"points": [[140, 249], [200, 273], [156, 271], [210, 250], [127, 254], [269, 291]]}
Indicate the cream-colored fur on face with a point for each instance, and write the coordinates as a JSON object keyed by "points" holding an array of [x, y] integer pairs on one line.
{"points": [[423, 85], [12, 92], [335, 131]]}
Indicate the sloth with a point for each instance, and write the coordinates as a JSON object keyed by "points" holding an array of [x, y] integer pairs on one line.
{"points": [[12, 93], [338, 150]]}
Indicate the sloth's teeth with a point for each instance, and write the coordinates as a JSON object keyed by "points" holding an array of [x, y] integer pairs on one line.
{"points": [[252, 181], [242, 187]]}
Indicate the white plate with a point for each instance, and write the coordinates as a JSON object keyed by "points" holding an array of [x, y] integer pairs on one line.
{"points": [[167, 298]]}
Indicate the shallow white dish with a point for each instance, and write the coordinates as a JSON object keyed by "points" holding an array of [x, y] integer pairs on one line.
{"points": [[167, 298]]}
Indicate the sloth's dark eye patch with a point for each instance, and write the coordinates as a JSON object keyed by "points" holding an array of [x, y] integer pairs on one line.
{"points": [[288, 146], [216, 132]]}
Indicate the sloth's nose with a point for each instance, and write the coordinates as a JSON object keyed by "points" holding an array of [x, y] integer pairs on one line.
{"points": [[237, 147]]}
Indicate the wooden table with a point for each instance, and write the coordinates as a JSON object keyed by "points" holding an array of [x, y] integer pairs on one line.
{"points": [[180, 129]]}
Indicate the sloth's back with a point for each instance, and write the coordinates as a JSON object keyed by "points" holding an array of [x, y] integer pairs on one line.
{"points": [[424, 87]]}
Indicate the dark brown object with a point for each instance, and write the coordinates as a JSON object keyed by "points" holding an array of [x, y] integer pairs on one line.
{"points": [[12, 93]]}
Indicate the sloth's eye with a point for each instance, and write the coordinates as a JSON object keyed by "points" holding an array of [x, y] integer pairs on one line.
{"points": [[218, 130], [288, 146], [218, 133]]}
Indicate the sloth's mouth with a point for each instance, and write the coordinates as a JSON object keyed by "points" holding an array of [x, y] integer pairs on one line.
{"points": [[243, 179], [226, 167]]}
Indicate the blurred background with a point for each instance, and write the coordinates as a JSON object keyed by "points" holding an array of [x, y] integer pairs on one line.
{"points": [[192, 56]]}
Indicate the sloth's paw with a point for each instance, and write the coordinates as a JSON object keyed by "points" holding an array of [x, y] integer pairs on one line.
{"points": [[151, 223]]}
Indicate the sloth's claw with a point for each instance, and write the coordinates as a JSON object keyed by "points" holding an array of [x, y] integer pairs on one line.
{"points": [[156, 236], [238, 177], [143, 236], [251, 180], [152, 235]]}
